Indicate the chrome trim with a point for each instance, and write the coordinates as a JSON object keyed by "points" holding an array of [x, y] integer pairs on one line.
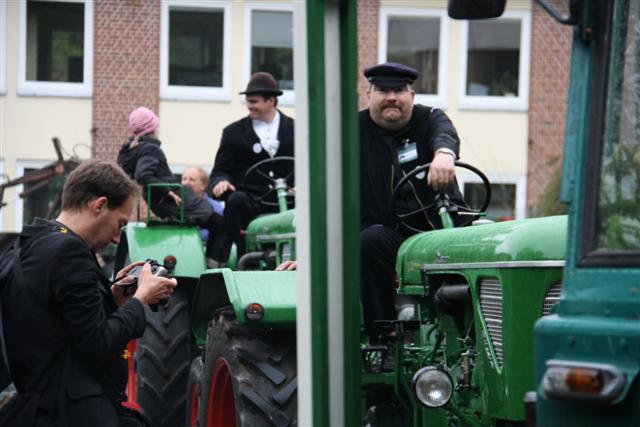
{"points": [[497, 264], [490, 292], [551, 298], [272, 237]]}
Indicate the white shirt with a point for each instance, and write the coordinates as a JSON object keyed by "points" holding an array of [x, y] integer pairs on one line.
{"points": [[268, 133]]}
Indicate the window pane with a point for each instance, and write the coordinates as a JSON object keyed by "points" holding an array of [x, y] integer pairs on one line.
{"points": [[55, 41], [493, 57], [43, 198], [195, 48], [618, 218], [414, 42], [272, 45], [503, 200]]}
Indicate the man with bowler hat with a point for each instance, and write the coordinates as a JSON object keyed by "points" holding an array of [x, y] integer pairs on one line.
{"points": [[395, 137], [265, 133]]}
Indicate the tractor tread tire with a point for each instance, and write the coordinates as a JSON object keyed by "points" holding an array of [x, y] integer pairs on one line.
{"points": [[163, 360], [262, 363]]}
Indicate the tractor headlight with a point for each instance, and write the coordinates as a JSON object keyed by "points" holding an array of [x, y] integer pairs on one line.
{"points": [[432, 386]]}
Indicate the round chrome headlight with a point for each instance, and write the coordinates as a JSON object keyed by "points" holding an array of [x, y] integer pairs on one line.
{"points": [[432, 387]]}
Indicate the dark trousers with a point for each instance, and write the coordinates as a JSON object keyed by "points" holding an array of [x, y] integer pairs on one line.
{"points": [[239, 210], [219, 241], [379, 246]]}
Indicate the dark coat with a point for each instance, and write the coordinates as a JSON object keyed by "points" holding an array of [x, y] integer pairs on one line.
{"points": [[65, 335], [380, 171], [147, 164], [236, 154]]}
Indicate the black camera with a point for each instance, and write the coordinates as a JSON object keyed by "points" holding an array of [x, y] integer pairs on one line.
{"points": [[130, 287]]}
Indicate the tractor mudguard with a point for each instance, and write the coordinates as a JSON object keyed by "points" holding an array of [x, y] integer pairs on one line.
{"points": [[159, 241], [275, 291]]}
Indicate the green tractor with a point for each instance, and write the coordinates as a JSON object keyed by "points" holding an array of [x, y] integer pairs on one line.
{"points": [[164, 361], [468, 298], [463, 339], [497, 323]]}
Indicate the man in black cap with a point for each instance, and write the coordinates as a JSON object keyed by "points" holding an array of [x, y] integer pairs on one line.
{"points": [[265, 133], [395, 137]]}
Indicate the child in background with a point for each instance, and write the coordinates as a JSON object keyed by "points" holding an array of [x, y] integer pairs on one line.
{"points": [[143, 159]]}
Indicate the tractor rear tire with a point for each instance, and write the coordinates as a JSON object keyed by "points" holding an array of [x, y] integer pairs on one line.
{"points": [[193, 392], [163, 359], [249, 377]]}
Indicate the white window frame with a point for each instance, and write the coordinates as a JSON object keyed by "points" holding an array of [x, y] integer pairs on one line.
{"points": [[504, 103], [288, 98], [195, 93], [520, 181], [440, 98], [21, 165], [63, 89], [3, 53]]}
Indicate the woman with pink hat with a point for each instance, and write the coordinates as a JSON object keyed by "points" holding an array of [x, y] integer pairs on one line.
{"points": [[143, 159]]}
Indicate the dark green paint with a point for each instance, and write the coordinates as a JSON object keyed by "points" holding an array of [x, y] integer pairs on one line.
{"points": [[598, 316], [317, 211], [351, 212]]}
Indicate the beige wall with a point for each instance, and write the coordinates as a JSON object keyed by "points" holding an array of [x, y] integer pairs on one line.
{"points": [[191, 131], [494, 141], [27, 123]]}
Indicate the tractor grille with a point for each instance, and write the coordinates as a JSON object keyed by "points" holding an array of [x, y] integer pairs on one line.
{"points": [[491, 307], [551, 298]]}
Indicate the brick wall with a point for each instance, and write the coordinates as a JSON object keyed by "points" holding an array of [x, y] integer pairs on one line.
{"points": [[368, 17], [549, 79], [126, 68]]}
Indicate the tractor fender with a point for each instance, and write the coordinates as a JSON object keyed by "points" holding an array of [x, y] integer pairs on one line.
{"points": [[275, 291], [139, 242]]}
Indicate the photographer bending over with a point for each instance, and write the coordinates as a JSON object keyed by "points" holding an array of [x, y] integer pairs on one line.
{"points": [[66, 326]]}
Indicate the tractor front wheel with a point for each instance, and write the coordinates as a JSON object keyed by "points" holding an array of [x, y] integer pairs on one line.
{"points": [[249, 377], [163, 357]]}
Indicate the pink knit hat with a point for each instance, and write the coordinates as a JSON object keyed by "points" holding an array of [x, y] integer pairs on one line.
{"points": [[143, 121]]}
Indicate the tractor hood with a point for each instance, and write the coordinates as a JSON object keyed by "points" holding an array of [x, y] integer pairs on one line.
{"points": [[271, 227], [538, 239]]}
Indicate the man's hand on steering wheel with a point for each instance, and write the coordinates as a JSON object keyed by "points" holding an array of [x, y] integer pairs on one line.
{"points": [[222, 187], [442, 171]]}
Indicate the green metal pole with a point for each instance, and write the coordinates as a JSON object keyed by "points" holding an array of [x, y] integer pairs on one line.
{"points": [[317, 211], [351, 213]]}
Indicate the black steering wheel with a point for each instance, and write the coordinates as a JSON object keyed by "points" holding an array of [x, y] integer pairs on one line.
{"points": [[263, 174], [441, 198]]}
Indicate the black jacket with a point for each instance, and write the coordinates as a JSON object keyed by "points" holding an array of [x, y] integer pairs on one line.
{"points": [[380, 171], [147, 164], [236, 154], [65, 335]]}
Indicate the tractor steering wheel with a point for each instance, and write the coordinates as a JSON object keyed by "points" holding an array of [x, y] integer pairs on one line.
{"points": [[263, 173], [441, 197]]}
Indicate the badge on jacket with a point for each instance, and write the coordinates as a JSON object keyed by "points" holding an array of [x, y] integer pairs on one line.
{"points": [[257, 148], [407, 153]]}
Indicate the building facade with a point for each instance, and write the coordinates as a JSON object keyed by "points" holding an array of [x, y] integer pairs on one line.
{"points": [[75, 69]]}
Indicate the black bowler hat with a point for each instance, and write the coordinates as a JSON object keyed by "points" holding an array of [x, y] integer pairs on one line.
{"points": [[262, 83], [390, 75]]}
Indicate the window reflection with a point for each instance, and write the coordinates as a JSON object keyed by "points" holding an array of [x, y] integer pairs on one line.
{"points": [[493, 60], [618, 218], [55, 41], [272, 45], [414, 42], [195, 48]]}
